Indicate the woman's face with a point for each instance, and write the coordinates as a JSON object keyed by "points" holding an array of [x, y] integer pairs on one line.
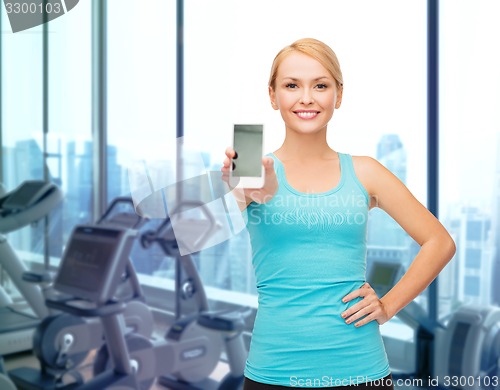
{"points": [[305, 93]]}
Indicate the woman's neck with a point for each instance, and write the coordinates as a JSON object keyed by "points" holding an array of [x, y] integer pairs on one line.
{"points": [[304, 147]]}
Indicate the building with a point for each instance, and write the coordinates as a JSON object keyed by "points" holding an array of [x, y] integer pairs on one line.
{"points": [[495, 274], [475, 251], [387, 241]]}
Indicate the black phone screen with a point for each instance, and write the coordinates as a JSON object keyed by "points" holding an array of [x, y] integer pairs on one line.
{"points": [[248, 140]]}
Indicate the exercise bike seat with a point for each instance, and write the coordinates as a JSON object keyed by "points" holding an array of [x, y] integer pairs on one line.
{"points": [[38, 277], [223, 320]]}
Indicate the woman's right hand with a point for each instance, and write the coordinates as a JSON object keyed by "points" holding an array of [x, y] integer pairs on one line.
{"points": [[246, 195]]}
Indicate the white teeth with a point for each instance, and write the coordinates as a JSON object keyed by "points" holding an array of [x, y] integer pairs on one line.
{"points": [[307, 115]]}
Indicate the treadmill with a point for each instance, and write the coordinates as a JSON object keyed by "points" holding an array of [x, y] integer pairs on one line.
{"points": [[28, 203]]}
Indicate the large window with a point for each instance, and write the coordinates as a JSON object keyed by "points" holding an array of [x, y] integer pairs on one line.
{"points": [[469, 185], [141, 86], [22, 120], [69, 138], [63, 155], [46, 117], [141, 102], [46, 123], [229, 47]]}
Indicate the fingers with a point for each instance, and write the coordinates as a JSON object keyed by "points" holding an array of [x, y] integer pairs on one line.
{"points": [[268, 163], [367, 319], [230, 153], [226, 163], [360, 292], [359, 312], [368, 309], [347, 314]]}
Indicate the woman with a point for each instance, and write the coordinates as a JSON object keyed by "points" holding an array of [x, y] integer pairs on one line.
{"points": [[318, 320]]}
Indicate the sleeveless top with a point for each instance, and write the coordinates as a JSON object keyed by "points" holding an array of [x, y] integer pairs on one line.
{"points": [[309, 251]]}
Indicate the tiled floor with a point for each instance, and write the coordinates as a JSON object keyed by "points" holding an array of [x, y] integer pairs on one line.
{"points": [[28, 360]]}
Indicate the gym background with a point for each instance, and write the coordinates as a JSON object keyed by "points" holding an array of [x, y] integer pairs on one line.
{"points": [[91, 93]]}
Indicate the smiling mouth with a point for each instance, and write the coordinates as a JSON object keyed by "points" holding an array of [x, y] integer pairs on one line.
{"points": [[306, 114]]}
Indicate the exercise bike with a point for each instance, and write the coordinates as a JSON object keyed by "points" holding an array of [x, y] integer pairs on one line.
{"points": [[191, 348], [28, 203], [63, 341], [228, 323], [31, 201]]}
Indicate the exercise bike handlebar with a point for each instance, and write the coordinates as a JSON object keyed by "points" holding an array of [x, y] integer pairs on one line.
{"points": [[164, 235], [134, 220], [13, 218]]}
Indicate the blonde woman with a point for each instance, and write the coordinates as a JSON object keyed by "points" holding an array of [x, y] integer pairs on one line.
{"points": [[318, 320]]}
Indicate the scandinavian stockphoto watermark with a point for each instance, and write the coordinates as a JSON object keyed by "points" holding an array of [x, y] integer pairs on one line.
{"points": [[26, 14], [309, 212]]}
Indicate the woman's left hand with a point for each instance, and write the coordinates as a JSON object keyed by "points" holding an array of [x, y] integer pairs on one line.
{"points": [[370, 307]]}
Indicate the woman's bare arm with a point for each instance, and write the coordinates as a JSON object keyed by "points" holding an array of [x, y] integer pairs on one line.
{"points": [[437, 247]]}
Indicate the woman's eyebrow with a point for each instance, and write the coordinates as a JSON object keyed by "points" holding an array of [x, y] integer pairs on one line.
{"points": [[316, 79]]}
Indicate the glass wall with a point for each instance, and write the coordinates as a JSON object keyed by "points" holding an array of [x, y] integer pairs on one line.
{"points": [[141, 82], [469, 186], [64, 155], [141, 86], [69, 138], [22, 120], [229, 48], [22, 108]]}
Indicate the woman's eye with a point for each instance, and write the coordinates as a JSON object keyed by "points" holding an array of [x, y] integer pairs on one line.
{"points": [[321, 86], [291, 85]]}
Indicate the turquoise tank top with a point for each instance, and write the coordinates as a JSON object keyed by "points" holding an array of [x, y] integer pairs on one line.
{"points": [[309, 251]]}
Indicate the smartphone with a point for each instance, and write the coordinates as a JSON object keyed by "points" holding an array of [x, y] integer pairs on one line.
{"points": [[247, 170]]}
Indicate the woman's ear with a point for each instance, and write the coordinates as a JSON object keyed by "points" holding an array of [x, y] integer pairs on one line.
{"points": [[272, 96], [338, 101]]}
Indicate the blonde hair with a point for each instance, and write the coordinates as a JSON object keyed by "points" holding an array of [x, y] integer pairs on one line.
{"points": [[314, 48]]}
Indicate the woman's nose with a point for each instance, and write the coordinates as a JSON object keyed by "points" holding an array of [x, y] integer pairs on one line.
{"points": [[306, 97]]}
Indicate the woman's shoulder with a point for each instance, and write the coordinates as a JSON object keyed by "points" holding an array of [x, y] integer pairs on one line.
{"points": [[373, 174], [368, 170], [365, 164]]}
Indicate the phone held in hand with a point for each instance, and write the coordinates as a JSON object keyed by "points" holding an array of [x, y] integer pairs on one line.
{"points": [[247, 170]]}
